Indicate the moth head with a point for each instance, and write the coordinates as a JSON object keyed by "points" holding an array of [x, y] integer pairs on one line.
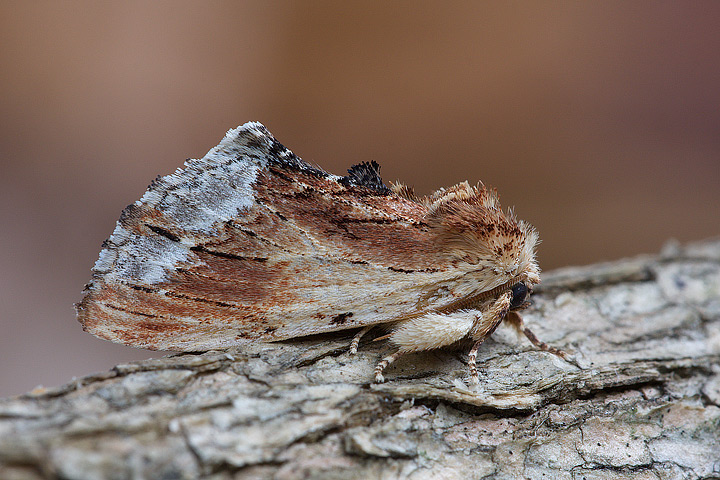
{"points": [[471, 228]]}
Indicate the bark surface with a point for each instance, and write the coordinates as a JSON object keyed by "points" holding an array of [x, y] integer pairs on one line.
{"points": [[645, 403]]}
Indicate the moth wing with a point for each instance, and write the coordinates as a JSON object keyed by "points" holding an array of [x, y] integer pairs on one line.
{"points": [[251, 243]]}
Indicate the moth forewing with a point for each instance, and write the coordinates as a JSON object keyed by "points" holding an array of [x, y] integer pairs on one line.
{"points": [[250, 243]]}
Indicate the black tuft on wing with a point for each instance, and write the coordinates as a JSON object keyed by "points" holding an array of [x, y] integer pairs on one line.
{"points": [[365, 174]]}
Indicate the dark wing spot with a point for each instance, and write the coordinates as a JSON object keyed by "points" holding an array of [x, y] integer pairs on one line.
{"points": [[341, 318], [218, 253], [163, 232], [129, 213]]}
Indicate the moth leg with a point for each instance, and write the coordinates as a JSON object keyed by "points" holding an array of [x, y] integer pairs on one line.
{"points": [[484, 326], [431, 331], [516, 321], [355, 343], [474, 378], [382, 365]]}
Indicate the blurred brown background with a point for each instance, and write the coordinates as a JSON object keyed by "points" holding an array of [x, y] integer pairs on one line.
{"points": [[598, 120]]}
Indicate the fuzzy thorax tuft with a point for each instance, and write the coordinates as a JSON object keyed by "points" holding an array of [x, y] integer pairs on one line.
{"points": [[471, 227]]}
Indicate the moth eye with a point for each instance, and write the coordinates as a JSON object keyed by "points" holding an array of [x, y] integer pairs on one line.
{"points": [[519, 295]]}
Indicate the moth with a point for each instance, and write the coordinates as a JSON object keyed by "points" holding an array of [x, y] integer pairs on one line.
{"points": [[252, 244]]}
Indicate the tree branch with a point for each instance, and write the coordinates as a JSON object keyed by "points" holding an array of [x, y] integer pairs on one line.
{"points": [[645, 404]]}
